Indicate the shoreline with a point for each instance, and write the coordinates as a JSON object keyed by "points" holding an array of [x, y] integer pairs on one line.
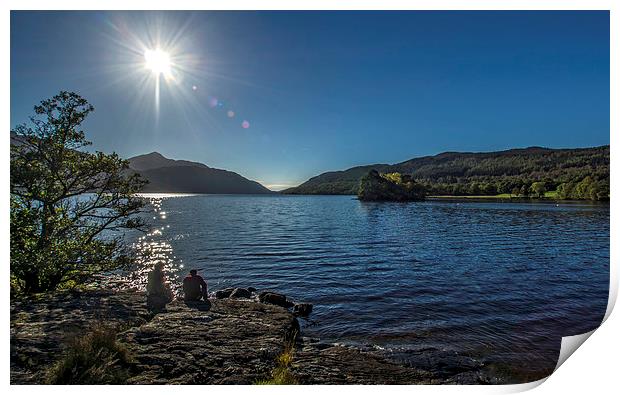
{"points": [[502, 199], [491, 198], [226, 341]]}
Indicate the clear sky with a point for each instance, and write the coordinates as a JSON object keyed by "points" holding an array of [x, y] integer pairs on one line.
{"points": [[320, 91]]}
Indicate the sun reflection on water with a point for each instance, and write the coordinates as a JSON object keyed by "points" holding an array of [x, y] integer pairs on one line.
{"points": [[150, 249]]}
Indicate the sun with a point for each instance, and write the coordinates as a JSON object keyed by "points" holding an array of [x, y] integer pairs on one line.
{"points": [[158, 62]]}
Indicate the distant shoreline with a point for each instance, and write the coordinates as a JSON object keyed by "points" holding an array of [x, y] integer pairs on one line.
{"points": [[514, 199], [503, 198]]}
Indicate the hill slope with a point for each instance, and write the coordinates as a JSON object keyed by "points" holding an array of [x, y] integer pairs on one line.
{"points": [[486, 173], [180, 176]]}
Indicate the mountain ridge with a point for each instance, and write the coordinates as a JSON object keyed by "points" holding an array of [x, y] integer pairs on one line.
{"points": [[155, 160], [457, 172], [166, 175]]}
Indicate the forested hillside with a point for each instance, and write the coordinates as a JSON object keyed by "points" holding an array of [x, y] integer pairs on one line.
{"points": [[581, 173]]}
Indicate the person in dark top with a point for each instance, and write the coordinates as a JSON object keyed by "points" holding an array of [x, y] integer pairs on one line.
{"points": [[194, 286]]}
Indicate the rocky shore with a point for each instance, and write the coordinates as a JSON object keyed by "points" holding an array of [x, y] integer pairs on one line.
{"points": [[224, 341]]}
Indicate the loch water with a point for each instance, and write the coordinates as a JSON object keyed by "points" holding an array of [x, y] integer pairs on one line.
{"points": [[501, 281]]}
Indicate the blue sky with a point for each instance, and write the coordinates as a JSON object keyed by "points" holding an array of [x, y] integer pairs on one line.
{"points": [[320, 90]]}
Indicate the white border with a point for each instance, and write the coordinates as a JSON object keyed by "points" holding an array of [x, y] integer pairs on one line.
{"points": [[593, 369], [311, 5]]}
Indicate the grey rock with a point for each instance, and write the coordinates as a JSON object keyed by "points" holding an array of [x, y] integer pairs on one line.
{"points": [[275, 298], [240, 293], [41, 326], [224, 293], [302, 309], [156, 303], [234, 342], [345, 365]]}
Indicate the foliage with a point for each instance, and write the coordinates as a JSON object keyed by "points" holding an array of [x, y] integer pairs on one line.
{"points": [[66, 203], [479, 174], [94, 358], [588, 188], [281, 374], [389, 187], [538, 189]]}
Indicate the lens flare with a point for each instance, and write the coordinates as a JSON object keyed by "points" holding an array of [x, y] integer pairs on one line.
{"points": [[245, 124]]}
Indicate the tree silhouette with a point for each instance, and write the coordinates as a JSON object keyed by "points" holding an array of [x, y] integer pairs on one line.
{"points": [[66, 203]]}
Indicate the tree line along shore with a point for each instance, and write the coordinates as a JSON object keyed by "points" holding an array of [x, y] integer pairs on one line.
{"points": [[540, 173]]}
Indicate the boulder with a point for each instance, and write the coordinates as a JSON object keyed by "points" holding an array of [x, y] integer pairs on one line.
{"points": [[251, 289], [224, 293], [240, 293], [157, 303], [302, 309], [275, 298]]}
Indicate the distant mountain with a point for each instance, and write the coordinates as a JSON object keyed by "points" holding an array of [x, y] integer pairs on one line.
{"points": [[481, 173], [180, 176], [155, 160]]}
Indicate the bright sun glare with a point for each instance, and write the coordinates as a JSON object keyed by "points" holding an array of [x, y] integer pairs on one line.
{"points": [[157, 61], [160, 48]]}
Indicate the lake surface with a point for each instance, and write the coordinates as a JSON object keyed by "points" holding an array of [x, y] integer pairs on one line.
{"points": [[500, 281]]}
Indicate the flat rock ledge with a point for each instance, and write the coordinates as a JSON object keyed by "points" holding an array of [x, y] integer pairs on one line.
{"points": [[223, 341], [228, 342]]}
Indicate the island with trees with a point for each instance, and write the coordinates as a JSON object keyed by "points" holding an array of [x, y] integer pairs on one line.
{"points": [[389, 187]]}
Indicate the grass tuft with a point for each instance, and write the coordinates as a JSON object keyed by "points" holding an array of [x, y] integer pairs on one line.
{"points": [[93, 358], [281, 374]]}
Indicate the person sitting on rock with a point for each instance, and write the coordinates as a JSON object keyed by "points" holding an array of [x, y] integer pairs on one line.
{"points": [[158, 292], [194, 286]]}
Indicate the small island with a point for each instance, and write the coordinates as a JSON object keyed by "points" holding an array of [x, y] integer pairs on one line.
{"points": [[395, 187]]}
